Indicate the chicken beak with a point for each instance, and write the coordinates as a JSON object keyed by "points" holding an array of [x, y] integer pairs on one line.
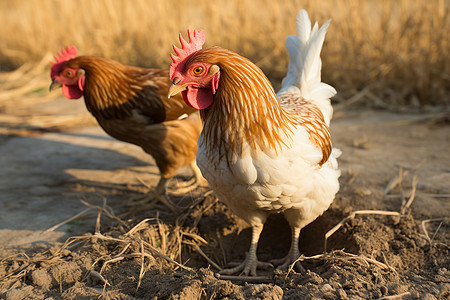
{"points": [[54, 85], [174, 88]]}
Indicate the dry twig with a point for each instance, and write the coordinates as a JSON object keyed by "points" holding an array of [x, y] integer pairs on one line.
{"points": [[162, 199], [397, 180], [423, 195], [424, 222], [141, 271], [406, 205], [109, 262], [78, 216], [333, 255], [106, 210], [395, 297], [138, 226], [197, 248], [249, 279], [155, 251]]}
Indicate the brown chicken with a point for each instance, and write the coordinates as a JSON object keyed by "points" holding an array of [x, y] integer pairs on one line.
{"points": [[131, 105]]}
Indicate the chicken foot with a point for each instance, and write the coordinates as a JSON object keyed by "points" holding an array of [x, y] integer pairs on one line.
{"points": [[251, 263], [292, 256], [198, 180], [158, 192]]}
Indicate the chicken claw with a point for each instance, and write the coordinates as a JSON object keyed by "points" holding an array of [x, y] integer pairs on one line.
{"points": [[293, 255], [188, 186], [162, 198], [248, 266], [251, 263], [285, 263], [158, 192]]}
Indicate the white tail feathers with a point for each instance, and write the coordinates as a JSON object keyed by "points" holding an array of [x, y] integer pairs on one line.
{"points": [[304, 72]]}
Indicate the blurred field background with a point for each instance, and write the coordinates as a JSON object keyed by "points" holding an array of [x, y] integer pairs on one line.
{"points": [[381, 53]]}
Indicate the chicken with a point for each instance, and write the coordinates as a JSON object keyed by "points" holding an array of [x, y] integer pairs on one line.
{"points": [[130, 104], [262, 152]]}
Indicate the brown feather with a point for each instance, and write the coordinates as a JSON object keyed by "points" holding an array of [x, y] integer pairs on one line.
{"points": [[311, 118], [247, 109], [245, 105], [131, 105], [113, 90]]}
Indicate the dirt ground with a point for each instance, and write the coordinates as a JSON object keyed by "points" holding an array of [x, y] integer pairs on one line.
{"points": [[73, 226]]}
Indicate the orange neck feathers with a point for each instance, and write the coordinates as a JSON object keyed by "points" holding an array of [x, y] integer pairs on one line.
{"points": [[245, 107], [109, 85]]}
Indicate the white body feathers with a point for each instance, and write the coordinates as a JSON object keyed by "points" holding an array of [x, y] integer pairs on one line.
{"points": [[261, 182], [291, 180]]}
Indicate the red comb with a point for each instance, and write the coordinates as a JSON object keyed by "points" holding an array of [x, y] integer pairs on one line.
{"points": [[65, 54], [62, 56], [196, 41]]}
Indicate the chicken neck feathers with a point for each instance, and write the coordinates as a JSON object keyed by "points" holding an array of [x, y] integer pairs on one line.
{"points": [[116, 91], [245, 107], [246, 110]]}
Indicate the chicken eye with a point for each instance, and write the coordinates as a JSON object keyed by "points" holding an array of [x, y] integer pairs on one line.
{"points": [[198, 70], [69, 73]]}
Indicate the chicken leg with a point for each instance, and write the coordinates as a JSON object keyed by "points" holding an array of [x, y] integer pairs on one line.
{"points": [[198, 180], [293, 255], [251, 263], [160, 192]]}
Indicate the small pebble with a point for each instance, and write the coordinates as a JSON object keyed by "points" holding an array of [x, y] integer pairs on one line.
{"points": [[341, 294], [326, 288], [395, 220], [420, 242], [315, 279], [442, 271]]}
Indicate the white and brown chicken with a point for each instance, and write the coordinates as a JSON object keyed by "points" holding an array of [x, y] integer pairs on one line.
{"points": [[263, 152]]}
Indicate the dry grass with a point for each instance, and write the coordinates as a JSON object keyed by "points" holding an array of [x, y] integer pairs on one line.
{"points": [[397, 50], [146, 241]]}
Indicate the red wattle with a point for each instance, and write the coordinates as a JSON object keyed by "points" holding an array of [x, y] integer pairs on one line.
{"points": [[72, 91], [198, 98]]}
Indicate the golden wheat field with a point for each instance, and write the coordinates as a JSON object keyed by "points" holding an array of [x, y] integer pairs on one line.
{"points": [[396, 50]]}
